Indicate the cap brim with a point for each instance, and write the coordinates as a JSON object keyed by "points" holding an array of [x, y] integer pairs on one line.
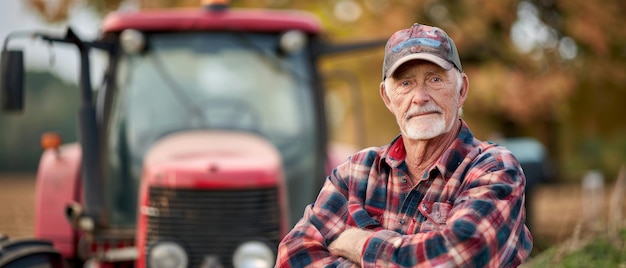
{"points": [[420, 56]]}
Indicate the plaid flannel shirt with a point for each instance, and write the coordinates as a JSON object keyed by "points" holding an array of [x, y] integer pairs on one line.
{"points": [[466, 211]]}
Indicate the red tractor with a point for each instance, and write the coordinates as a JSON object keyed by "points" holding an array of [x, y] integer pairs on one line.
{"points": [[201, 149]]}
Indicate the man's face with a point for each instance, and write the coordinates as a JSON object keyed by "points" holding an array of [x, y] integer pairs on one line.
{"points": [[424, 98]]}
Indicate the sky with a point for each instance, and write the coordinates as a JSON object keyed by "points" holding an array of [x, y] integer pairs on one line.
{"points": [[60, 59]]}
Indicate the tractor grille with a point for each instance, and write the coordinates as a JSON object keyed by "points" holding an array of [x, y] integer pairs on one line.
{"points": [[213, 223]]}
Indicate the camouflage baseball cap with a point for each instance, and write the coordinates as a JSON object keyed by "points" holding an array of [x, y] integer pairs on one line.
{"points": [[420, 42]]}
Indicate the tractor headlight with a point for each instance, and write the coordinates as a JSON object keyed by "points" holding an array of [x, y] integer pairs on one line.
{"points": [[292, 41], [253, 254], [133, 41], [167, 255]]}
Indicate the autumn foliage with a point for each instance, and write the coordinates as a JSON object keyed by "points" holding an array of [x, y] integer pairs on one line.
{"points": [[564, 85]]}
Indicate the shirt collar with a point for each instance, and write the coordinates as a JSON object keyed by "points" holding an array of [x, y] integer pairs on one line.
{"points": [[447, 163]]}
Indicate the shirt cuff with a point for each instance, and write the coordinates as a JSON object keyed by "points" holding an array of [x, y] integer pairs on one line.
{"points": [[379, 247]]}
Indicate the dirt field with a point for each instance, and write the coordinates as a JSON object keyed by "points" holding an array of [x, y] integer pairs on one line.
{"points": [[17, 201], [556, 209]]}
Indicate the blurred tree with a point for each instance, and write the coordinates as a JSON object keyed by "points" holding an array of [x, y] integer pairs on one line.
{"points": [[552, 69]]}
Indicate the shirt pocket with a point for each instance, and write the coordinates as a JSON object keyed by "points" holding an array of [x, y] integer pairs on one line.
{"points": [[436, 214]]}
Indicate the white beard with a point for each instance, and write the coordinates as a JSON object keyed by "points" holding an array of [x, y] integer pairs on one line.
{"points": [[424, 128]]}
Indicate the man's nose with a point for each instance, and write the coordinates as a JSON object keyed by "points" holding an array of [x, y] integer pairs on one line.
{"points": [[420, 95]]}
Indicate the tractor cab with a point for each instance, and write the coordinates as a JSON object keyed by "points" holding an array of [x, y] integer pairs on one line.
{"points": [[259, 83]]}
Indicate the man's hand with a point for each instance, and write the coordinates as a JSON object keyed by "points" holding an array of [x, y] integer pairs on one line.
{"points": [[350, 244]]}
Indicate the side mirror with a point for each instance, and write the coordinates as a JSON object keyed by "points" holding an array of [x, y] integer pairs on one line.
{"points": [[12, 80]]}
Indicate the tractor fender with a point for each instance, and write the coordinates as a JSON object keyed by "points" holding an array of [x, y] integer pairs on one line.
{"points": [[58, 185], [29, 252]]}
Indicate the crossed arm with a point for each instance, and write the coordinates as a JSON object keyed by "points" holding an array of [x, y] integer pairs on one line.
{"points": [[484, 228], [349, 244]]}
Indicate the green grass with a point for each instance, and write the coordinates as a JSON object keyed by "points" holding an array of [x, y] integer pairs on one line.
{"points": [[599, 252]]}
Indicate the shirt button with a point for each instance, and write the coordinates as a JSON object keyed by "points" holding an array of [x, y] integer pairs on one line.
{"points": [[402, 221], [404, 180]]}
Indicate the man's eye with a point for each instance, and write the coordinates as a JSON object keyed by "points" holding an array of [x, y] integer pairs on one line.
{"points": [[404, 86], [436, 79]]}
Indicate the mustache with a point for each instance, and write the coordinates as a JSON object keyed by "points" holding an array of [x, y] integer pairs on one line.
{"points": [[418, 110]]}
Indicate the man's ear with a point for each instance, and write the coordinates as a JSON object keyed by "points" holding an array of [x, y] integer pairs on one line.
{"points": [[464, 89], [384, 96]]}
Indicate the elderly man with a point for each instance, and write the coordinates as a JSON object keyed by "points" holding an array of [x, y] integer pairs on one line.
{"points": [[435, 196]]}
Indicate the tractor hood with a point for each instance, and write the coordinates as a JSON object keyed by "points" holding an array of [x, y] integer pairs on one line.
{"points": [[212, 159]]}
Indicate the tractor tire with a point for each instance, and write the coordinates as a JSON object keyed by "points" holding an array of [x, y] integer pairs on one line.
{"points": [[29, 253]]}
